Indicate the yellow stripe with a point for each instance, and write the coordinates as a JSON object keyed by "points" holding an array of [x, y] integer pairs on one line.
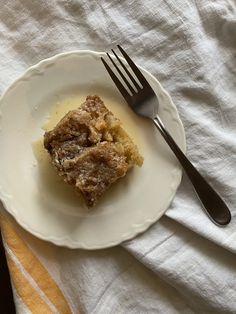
{"points": [[25, 291], [33, 266]]}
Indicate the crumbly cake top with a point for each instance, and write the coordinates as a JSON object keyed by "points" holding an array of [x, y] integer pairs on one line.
{"points": [[90, 149]]}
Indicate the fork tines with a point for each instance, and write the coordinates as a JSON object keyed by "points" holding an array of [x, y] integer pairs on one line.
{"points": [[139, 81]]}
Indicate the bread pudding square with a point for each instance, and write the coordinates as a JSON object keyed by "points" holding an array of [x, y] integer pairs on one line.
{"points": [[90, 149]]}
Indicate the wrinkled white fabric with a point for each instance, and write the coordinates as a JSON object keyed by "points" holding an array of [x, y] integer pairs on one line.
{"points": [[183, 263]]}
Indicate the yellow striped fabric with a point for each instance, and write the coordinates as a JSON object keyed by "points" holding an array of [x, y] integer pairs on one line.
{"points": [[34, 285]]}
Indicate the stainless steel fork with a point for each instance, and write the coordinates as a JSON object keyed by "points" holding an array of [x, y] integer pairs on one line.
{"points": [[141, 98]]}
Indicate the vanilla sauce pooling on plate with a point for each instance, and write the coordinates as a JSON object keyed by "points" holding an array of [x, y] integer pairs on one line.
{"points": [[58, 110]]}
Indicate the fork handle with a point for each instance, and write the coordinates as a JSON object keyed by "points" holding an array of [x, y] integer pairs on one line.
{"points": [[212, 202]]}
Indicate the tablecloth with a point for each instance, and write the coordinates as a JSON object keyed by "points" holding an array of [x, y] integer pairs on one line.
{"points": [[183, 263]]}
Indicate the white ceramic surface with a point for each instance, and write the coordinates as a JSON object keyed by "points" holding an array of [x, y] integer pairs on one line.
{"points": [[132, 205]]}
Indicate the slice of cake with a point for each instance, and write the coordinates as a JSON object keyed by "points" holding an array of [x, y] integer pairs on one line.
{"points": [[90, 149]]}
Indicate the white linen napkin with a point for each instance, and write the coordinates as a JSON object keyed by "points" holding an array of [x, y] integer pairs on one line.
{"points": [[183, 263]]}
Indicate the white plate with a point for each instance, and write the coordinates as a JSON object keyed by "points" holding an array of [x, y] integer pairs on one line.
{"points": [[42, 208]]}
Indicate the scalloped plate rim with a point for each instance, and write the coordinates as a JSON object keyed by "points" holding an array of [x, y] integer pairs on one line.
{"points": [[66, 241]]}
